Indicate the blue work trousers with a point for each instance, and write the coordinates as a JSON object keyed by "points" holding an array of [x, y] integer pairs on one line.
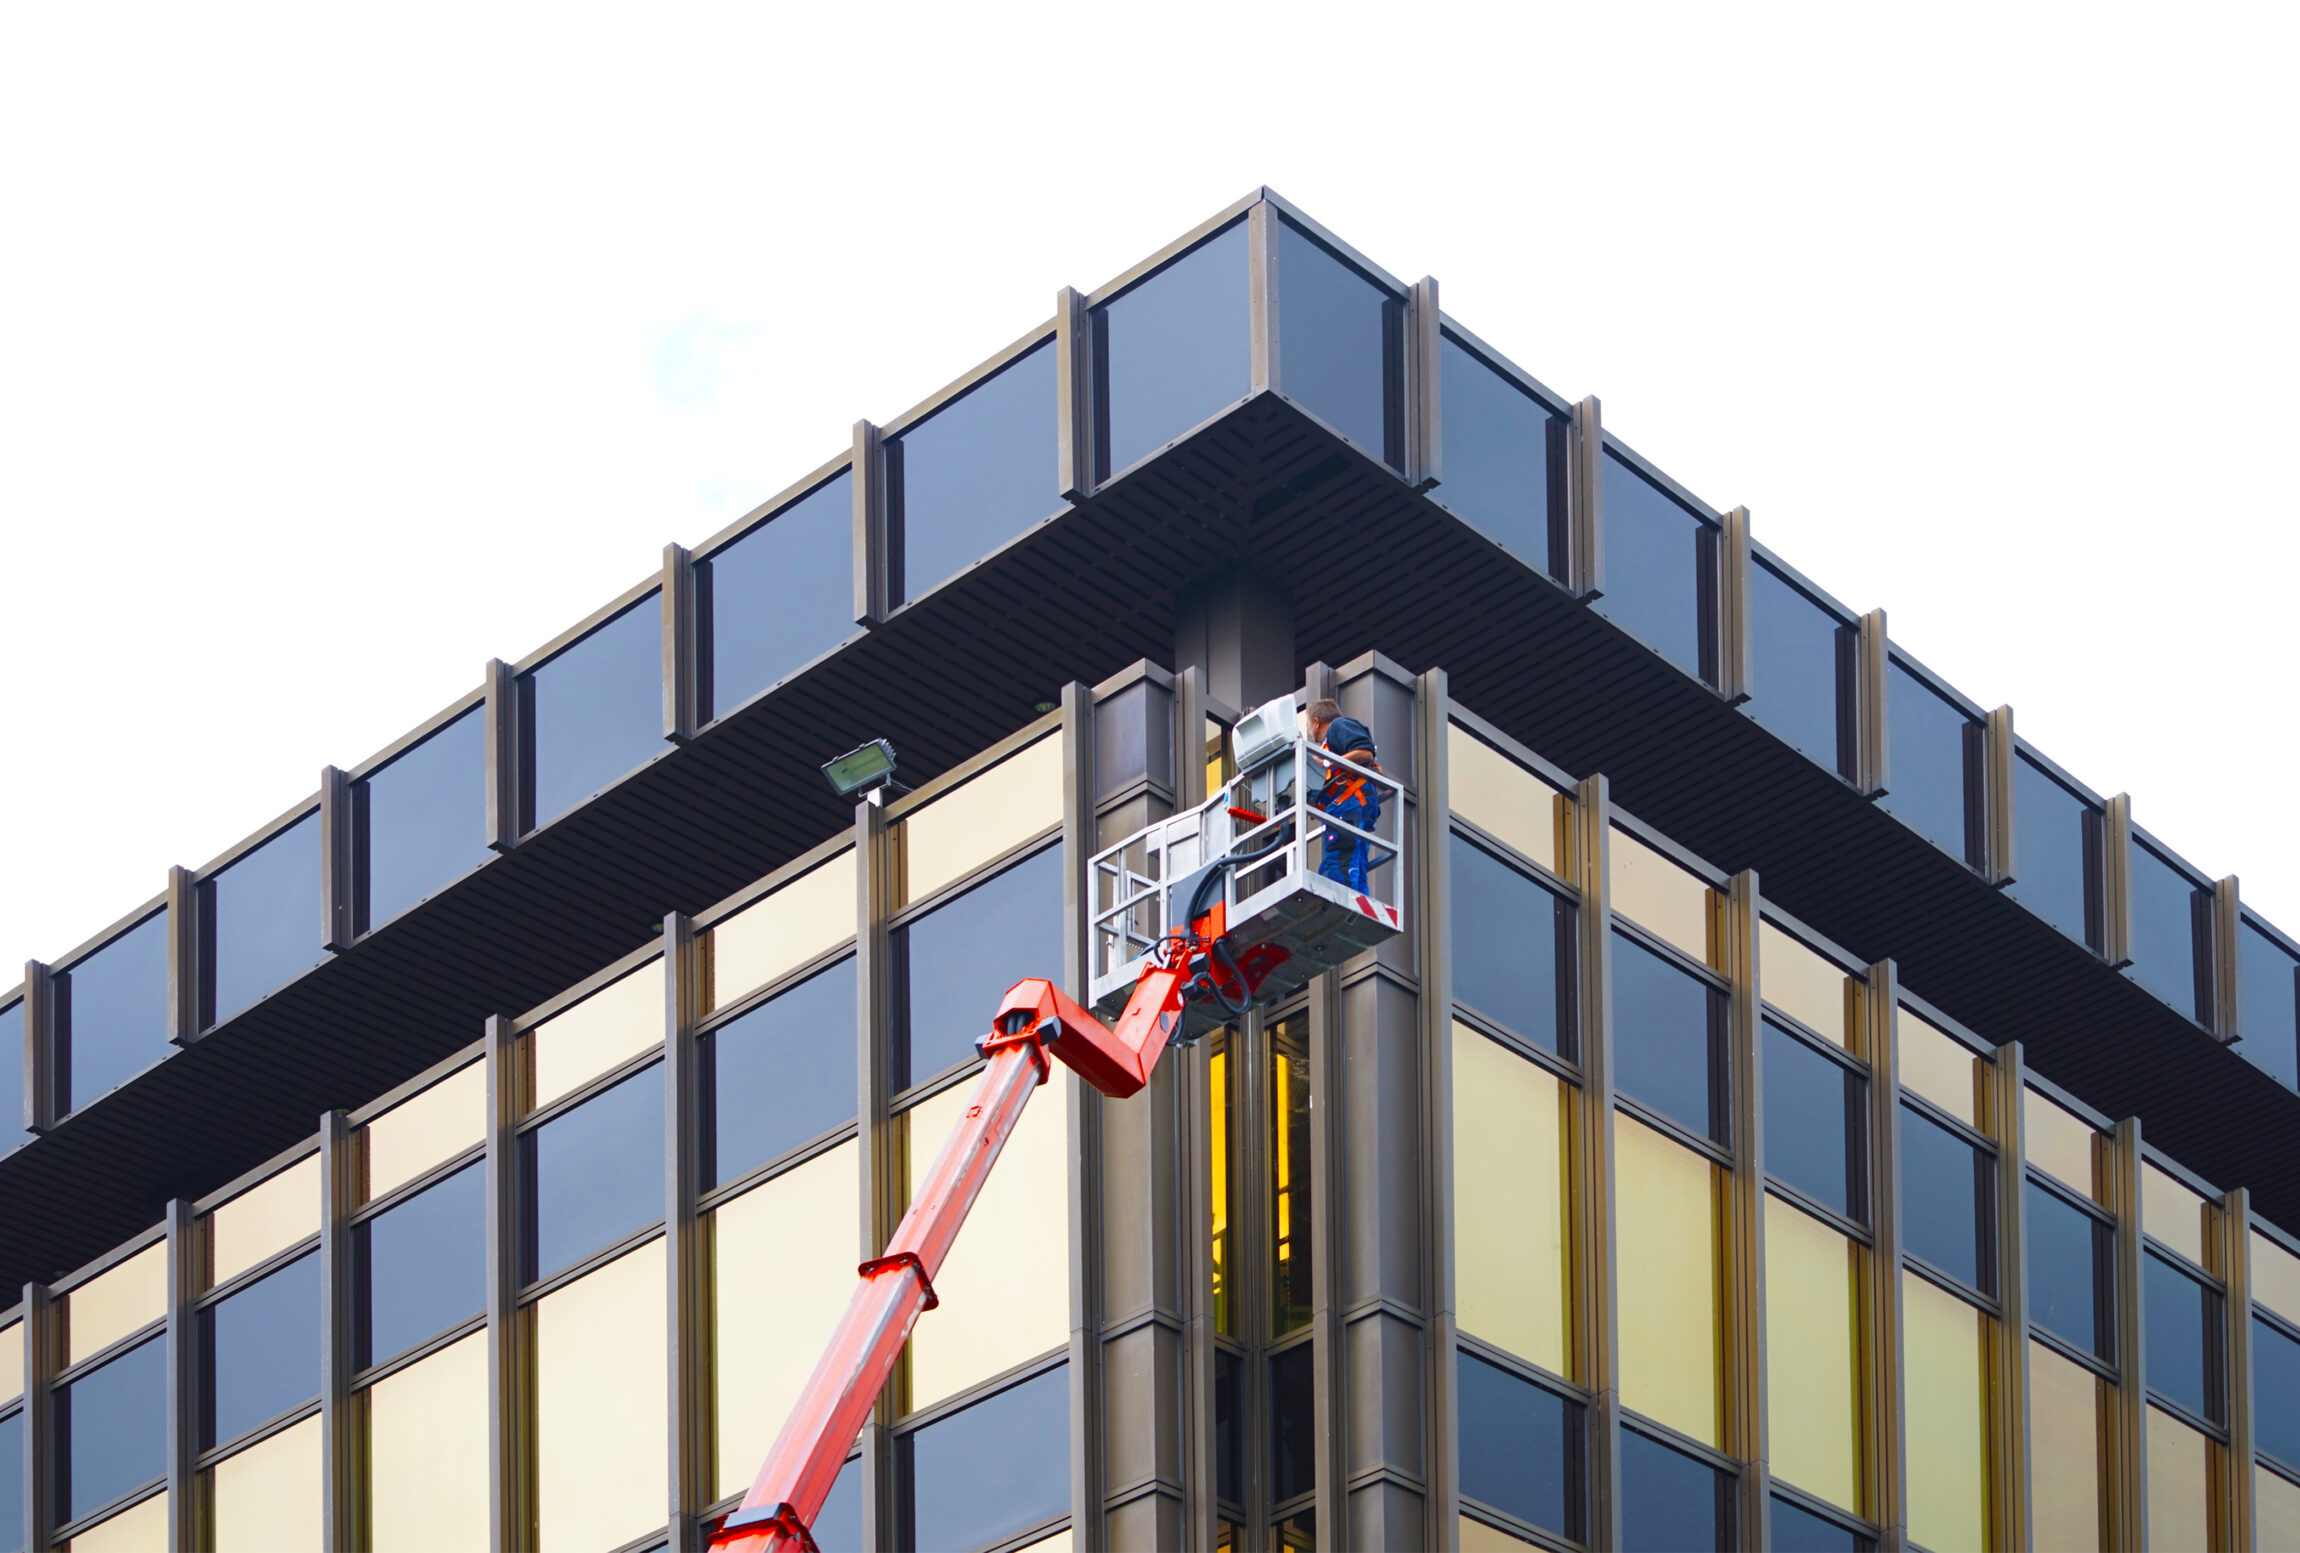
{"points": [[1345, 859]]}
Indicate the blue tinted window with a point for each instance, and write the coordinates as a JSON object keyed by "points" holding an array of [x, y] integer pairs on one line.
{"points": [[1671, 1502], [424, 816], [2165, 905], [1798, 1530], [596, 710], [2051, 845], [12, 1134], [777, 598], [954, 964], [1793, 646], [1520, 1447], [2276, 1392], [2068, 1253], [422, 1265], [1666, 1037], [112, 1012], [2268, 1004], [1293, 1422], [1229, 1427], [1503, 456], [263, 913], [1927, 755], [12, 1484], [1944, 1180], [595, 1174], [112, 1430], [2183, 1320], [781, 1074], [838, 1526], [976, 472], [261, 1354], [1813, 1134], [1507, 933], [1173, 350], [1656, 567], [1338, 342], [989, 1470]]}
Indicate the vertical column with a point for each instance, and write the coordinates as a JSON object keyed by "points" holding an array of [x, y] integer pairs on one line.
{"points": [[504, 777], [1872, 681], [2227, 939], [1424, 408], [510, 1511], [338, 909], [1736, 668], [1745, 1255], [878, 1161], [1194, 1096], [183, 1430], [1432, 897], [1597, 1358], [1074, 454], [2236, 1268], [2116, 881], [39, 1417], [39, 1047], [1262, 296], [1252, 1270], [681, 683], [1337, 1464], [1888, 1484], [2009, 1426], [686, 1325], [874, 557], [1585, 500], [2130, 1498], [1082, 1119], [1997, 797], [340, 1480], [184, 968]]}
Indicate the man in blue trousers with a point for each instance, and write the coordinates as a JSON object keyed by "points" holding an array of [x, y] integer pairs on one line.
{"points": [[1347, 795]]}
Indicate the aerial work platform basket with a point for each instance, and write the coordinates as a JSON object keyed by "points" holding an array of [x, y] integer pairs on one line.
{"points": [[1284, 918]]}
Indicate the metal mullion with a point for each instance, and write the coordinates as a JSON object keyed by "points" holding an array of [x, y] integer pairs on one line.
{"points": [[686, 1326], [710, 1201], [1736, 669], [361, 1213], [1585, 501], [1202, 1344], [224, 1450], [1082, 1124], [1675, 1131], [1433, 703], [1330, 1392], [1596, 1327], [510, 1510], [216, 1294], [1746, 1377], [340, 1481], [1501, 1035], [183, 1371], [445, 1338], [1883, 1376], [1262, 299], [2009, 1397], [1252, 1274], [590, 1089], [1788, 1193], [2130, 1499], [877, 1155], [39, 1415], [727, 1013], [2241, 1505], [1646, 938]]}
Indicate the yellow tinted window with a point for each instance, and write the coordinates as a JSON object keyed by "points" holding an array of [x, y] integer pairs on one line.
{"points": [[2179, 1484], [1812, 1355], [1803, 985], [2059, 1143], [1666, 1211], [1502, 798], [1939, 1067], [1006, 1286], [1016, 799], [2275, 1277], [601, 1424], [2172, 1214], [2064, 1419], [265, 1499], [1478, 1537], [2276, 1512], [1945, 1344], [1511, 1267], [269, 1216], [107, 1308], [427, 1129], [427, 1453], [143, 1529], [782, 1270], [612, 1025], [11, 1363], [774, 936], [1663, 898], [1218, 1160]]}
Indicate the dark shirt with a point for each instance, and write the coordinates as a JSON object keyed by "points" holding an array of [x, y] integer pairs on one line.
{"points": [[1346, 736]]}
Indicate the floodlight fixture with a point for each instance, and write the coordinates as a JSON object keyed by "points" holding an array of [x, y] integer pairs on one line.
{"points": [[868, 768]]}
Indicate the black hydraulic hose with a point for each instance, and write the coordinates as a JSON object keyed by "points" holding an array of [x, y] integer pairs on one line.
{"points": [[1219, 951]]}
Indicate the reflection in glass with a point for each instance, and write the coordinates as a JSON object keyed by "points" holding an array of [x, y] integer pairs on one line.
{"points": [[2053, 840], [594, 1174], [1340, 343], [2070, 1284], [595, 711], [600, 1414], [1798, 1530], [12, 1484], [1813, 1355], [1796, 646], [427, 1453], [2179, 1484], [1503, 799], [2065, 1409], [2268, 1003], [1671, 1502], [423, 815], [1666, 1207], [1229, 1427], [1292, 1284], [1504, 457], [992, 1469], [1520, 1447], [1939, 1067], [986, 815], [1805, 986], [2276, 1392], [420, 1266], [260, 914], [777, 598], [2173, 1215], [838, 1527], [115, 1302], [111, 1014], [811, 915], [1658, 560], [266, 1218], [612, 1025], [1662, 898], [1933, 745], [1815, 1137], [1293, 1422], [1944, 1184], [12, 1133], [974, 473], [2183, 1320], [426, 1129], [779, 1075], [1668, 1038], [953, 965], [2170, 915], [267, 1496], [2060, 1143], [1511, 941], [259, 1351], [1006, 1286], [1512, 1268], [782, 1270], [111, 1430], [1945, 1357], [1172, 351]]}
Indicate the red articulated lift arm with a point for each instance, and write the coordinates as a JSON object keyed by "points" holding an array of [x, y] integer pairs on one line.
{"points": [[1035, 1021]]}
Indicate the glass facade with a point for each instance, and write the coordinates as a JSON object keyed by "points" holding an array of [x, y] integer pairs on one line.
{"points": [[1172, 350], [776, 597], [2056, 837], [1504, 460], [111, 1013], [1660, 578], [1935, 751], [1340, 343], [1800, 653], [259, 919], [2168, 911], [2268, 1003], [974, 473], [593, 711], [420, 819]]}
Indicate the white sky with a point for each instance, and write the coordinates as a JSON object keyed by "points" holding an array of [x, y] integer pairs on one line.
{"points": [[340, 351]]}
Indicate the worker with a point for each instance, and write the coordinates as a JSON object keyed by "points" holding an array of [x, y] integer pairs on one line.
{"points": [[1347, 795]]}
